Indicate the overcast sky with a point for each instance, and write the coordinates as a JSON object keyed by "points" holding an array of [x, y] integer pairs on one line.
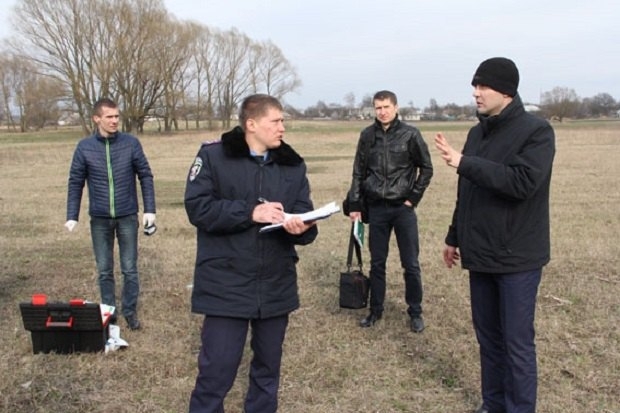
{"points": [[422, 49]]}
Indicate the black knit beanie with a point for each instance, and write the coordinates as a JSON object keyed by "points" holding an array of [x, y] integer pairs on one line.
{"points": [[499, 74]]}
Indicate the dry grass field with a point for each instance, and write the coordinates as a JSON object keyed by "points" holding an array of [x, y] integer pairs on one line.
{"points": [[330, 365]]}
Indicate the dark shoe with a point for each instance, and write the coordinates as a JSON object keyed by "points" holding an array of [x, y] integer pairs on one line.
{"points": [[370, 320], [484, 409], [417, 324], [132, 322]]}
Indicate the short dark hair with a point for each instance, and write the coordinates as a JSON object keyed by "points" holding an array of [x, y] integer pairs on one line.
{"points": [[385, 94], [257, 105], [103, 103]]}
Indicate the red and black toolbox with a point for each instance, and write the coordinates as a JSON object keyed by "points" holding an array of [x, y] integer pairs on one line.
{"points": [[65, 327]]}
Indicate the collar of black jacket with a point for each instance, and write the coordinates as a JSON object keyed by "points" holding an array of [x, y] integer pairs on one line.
{"points": [[394, 124], [513, 109], [235, 146]]}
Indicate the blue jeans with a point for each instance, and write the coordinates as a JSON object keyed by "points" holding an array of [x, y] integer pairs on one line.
{"points": [[125, 229], [383, 218], [503, 308], [223, 342]]}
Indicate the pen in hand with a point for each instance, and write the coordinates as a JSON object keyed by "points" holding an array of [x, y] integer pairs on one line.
{"points": [[273, 214], [277, 204]]}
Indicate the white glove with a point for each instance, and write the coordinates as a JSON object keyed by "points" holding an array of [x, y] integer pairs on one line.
{"points": [[148, 219], [70, 225]]}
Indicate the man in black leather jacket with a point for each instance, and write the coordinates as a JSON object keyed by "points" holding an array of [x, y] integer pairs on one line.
{"points": [[392, 168]]}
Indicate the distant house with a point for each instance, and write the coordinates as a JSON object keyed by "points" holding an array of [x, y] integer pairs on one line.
{"points": [[69, 119], [412, 116], [367, 112]]}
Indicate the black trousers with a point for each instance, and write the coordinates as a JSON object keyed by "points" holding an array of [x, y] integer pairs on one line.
{"points": [[503, 309], [383, 218], [223, 341]]}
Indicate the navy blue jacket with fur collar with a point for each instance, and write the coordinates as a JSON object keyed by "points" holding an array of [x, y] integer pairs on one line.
{"points": [[239, 272]]}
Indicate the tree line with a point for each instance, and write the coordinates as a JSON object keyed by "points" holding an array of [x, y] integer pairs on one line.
{"points": [[66, 54], [559, 103]]}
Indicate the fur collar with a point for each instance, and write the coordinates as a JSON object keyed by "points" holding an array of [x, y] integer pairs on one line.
{"points": [[235, 146]]}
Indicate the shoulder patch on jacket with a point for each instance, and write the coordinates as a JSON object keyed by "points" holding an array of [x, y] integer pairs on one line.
{"points": [[195, 169]]}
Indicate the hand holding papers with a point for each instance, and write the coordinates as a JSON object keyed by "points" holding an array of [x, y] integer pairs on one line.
{"points": [[320, 213]]}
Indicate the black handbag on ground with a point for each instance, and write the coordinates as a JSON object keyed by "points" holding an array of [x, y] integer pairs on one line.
{"points": [[354, 285]]}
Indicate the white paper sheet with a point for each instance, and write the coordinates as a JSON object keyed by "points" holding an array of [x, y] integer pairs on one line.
{"points": [[320, 213]]}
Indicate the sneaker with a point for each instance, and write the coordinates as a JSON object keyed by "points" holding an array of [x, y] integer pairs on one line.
{"points": [[370, 320], [417, 324], [132, 322]]}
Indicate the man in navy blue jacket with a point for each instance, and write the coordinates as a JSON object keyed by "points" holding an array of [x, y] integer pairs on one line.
{"points": [[110, 161], [500, 232], [243, 277]]}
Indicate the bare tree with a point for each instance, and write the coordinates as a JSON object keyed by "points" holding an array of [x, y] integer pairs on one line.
{"points": [[602, 104], [207, 63], [39, 102], [52, 33], [366, 102], [114, 52], [560, 102], [6, 87], [133, 52], [275, 71], [33, 95], [433, 107], [349, 101], [139, 70], [174, 64], [235, 80]]}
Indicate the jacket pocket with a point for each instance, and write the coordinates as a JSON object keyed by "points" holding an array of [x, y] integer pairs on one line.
{"points": [[399, 154]]}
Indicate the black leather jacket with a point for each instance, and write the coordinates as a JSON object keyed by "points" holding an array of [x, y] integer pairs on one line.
{"points": [[392, 165]]}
